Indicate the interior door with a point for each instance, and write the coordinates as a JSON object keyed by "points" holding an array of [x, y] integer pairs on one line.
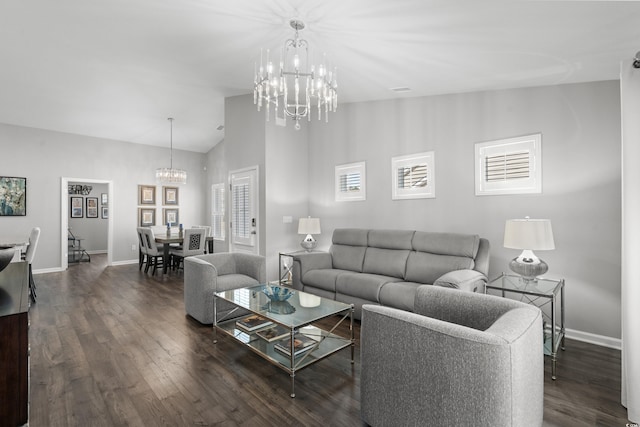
{"points": [[243, 226]]}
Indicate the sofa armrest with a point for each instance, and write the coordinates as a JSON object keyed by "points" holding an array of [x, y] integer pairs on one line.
{"points": [[466, 280], [302, 263], [200, 281]]}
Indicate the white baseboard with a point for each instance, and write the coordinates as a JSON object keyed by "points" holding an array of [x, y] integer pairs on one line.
{"points": [[615, 343], [125, 262], [47, 270]]}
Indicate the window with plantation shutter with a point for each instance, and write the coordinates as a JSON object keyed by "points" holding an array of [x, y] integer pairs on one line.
{"points": [[350, 182], [218, 226], [241, 211], [413, 176], [509, 166]]}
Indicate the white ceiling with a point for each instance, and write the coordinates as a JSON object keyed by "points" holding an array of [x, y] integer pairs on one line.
{"points": [[118, 68]]}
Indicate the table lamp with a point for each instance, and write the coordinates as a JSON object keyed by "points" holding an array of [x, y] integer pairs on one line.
{"points": [[309, 226], [529, 235]]}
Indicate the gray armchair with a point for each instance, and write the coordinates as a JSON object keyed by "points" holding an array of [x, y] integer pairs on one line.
{"points": [[461, 359], [209, 273]]}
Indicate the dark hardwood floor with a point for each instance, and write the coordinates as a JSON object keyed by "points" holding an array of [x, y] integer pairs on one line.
{"points": [[112, 346]]}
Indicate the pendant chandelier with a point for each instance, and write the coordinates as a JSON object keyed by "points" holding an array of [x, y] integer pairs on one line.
{"points": [[170, 175], [297, 85]]}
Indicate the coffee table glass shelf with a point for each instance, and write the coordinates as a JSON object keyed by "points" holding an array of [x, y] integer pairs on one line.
{"points": [[544, 294], [297, 315]]}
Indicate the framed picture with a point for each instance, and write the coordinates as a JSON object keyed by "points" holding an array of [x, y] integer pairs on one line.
{"points": [[92, 207], [105, 198], [170, 216], [13, 196], [350, 182], [413, 176], [169, 195], [146, 194], [77, 207], [146, 217], [105, 212]]}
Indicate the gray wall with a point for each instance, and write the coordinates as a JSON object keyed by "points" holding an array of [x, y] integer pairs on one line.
{"points": [[580, 126], [45, 156]]}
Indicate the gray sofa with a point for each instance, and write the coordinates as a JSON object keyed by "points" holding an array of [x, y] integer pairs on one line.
{"points": [[462, 359], [209, 273], [386, 267]]}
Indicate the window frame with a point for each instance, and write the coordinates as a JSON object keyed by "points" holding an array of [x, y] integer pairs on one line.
{"points": [[531, 144], [218, 210], [412, 160], [358, 168]]}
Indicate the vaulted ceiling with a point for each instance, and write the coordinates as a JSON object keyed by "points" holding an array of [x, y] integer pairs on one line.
{"points": [[118, 69]]}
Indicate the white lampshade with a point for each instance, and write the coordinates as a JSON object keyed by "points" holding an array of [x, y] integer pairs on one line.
{"points": [[533, 234], [309, 225]]}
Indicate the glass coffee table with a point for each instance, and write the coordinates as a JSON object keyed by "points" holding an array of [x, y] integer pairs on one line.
{"points": [[277, 322]]}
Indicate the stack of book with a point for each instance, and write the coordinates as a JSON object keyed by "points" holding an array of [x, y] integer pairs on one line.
{"points": [[253, 323], [274, 333], [301, 343]]}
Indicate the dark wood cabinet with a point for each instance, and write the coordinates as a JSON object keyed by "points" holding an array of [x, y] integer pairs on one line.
{"points": [[14, 344]]}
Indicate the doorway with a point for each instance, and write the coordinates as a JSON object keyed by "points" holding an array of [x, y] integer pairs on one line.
{"points": [[65, 182], [244, 210]]}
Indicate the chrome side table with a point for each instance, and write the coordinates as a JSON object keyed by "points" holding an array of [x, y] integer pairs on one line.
{"points": [[544, 294]]}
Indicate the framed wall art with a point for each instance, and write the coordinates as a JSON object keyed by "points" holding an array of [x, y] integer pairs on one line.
{"points": [[105, 212], [92, 207], [77, 207], [146, 194], [170, 216], [146, 217], [13, 196], [169, 196], [105, 198]]}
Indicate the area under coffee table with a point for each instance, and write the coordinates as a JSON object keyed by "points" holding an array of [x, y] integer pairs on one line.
{"points": [[292, 321]]}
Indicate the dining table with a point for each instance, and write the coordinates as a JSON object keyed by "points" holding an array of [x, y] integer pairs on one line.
{"points": [[20, 243], [167, 241]]}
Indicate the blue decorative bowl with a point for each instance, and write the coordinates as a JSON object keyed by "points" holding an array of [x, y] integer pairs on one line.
{"points": [[277, 293]]}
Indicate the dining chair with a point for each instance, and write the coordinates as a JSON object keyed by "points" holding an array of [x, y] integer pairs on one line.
{"points": [[192, 244], [207, 235], [155, 256], [143, 249], [31, 253]]}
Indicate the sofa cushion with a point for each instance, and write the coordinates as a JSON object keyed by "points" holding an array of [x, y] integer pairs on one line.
{"points": [[391, 239], [400, 295], [234, 281], [324, 278], [464, 245], [350, 237], [387, 262], [348, 249], [426, 268], [362, 285]]}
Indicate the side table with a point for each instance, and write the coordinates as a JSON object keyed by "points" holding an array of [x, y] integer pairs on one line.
{"points": [[543, 293], [284, 270]]}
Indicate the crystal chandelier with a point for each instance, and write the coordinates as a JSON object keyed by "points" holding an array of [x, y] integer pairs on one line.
{"points": [[296, 85], [170, 175]]}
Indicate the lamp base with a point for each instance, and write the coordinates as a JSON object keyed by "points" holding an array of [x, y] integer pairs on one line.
{"points": [[528, 269], [309, 243]]}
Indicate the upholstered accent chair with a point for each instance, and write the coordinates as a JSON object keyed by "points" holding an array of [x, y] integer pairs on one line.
{"points": [[462, 359], [209, 273]]}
